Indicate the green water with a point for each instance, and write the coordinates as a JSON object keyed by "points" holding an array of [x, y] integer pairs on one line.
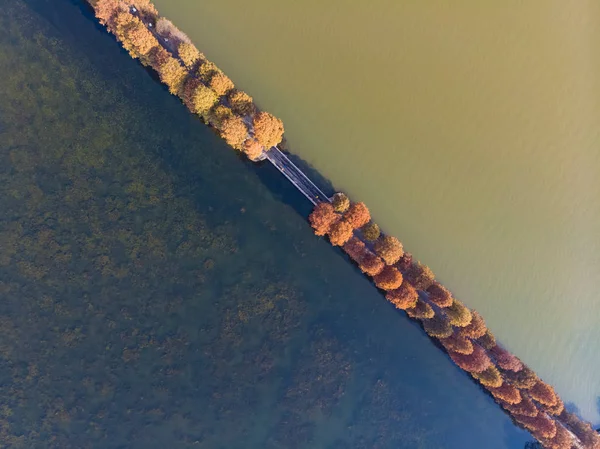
{"points": [[159, 292], [472, 132]]}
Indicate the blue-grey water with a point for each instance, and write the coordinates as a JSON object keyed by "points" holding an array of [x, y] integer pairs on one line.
{"points": [[160, 292]]}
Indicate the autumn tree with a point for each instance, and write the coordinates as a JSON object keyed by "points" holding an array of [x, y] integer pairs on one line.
{"points": [[458, 343], [543, 393], [420, 276], [523, 379], [505, 359], [506, 393], [404, 297], [220, 83], [218, 114], [490, 377], [371, 231], [355, 249], [487, 340], [253, 149], [322, 217], [389, 249], [147, 8], [199, 98], [421, 311], [340, 202], [158, 56], [541, 426], [438, 327], [458, 314], [340, 232], [439, 295], [206, 70], [172, 74], [106, 10], [234, 131], [241, 103], [371, 264], [357, 215], [405, 263], [134, 35], [389, 278], [582, 430], [555, 409], [475, 362], [476, 328], [562, 439], [189, 54], [526, 407], [268, 129]]}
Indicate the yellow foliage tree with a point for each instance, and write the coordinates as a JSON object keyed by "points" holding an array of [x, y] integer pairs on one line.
{"points": [[134, 35], [218, 114], [199, 98], [458, 314], [189, 54], [234, 131], [253, 149], [106, 10], [172, 74]]}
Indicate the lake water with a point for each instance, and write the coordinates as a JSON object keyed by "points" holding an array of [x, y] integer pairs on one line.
{"points": [[471, 130], [160, 292]]}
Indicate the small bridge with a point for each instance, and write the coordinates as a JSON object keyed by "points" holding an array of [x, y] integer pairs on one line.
{"points": [[295, 176]]}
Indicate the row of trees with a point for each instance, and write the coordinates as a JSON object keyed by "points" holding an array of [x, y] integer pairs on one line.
{"points": [[411, 286], [200, 84]]}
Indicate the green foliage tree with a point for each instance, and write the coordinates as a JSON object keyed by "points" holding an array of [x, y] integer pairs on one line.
{"points": [[420, 276], [438, 327], [458, 314], [487, 340], [371, 231], [490, 377], [421, 311], [340, 202]]}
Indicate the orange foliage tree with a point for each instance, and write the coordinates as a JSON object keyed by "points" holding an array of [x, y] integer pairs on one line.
{"points": [[439, 295], [234, 131], [340, 232], [562, 439], [340, 202], [541, 426], [505, 359], [438, 327], [543, 393], [268, 129], [355, 249], [253, 149], [371, 264], [458, 314], [389, 249], [371, 231], [526, 407], [582, 430], [322, 217], [507, 393], [490, 377], [404, 297], [475, 362], [389, 278], [357, 215], [106, 10], [555, 409], [476, 328], [420, 276], [458, 343], [134, 35], [241, 103], [405, 263], [421, 311]]}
